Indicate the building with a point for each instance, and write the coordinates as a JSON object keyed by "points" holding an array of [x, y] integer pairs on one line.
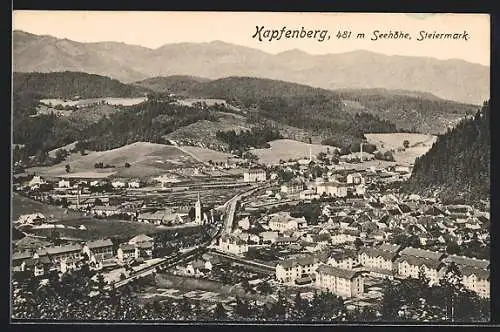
{"points": [[66, 252], [134, 184], [410, 266], [475, 273], [409, 251], [232, 244], [198, 213], [118, 184], [308, 194], [268, 237], [64, 184], [100, 249], [32, 218], [336, 189], [347, 259], [341, 282], [127, 252], [145, 249], [105, 211], [254, 175], [282, 221], [355, 178], [155, 218], [293, 187], [380, 261], [244, 223], [292, 269], [36, 181], [139, 239]]}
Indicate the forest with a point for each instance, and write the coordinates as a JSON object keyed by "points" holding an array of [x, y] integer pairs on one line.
{"points": [[457, 167], [147, 121], [70, 84], [257, 137]]}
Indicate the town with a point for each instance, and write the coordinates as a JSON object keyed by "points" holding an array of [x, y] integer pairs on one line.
{"points": [[301, 226]]}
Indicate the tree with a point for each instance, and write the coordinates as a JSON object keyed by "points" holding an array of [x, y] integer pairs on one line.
{"points": [[265, 288], [127, 165], [246, 285], [299, 307], [452, 286], [220, 312], [322, 156], [358, 243], [406, 144], [68, 168], [242, 309]]}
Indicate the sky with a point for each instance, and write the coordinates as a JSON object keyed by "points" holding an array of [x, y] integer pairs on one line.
{"points": [[154, 29]]}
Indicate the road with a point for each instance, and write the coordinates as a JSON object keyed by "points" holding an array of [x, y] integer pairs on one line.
{"points": [[231, 207]]}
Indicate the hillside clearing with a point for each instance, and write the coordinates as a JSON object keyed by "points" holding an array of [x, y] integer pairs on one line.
{"points": [[146, 159], [285, 149], [419, 145]]}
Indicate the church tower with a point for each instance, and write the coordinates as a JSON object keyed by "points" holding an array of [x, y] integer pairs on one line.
{"points": [[197, 211]]}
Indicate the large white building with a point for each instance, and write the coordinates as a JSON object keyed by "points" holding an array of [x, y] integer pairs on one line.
{"points": [[341, 282], [381, 261], [295, 268], [232, 244], [282, 221], [254, 175], [332, 188], [413, 260], [475, 273], [293, 187]]}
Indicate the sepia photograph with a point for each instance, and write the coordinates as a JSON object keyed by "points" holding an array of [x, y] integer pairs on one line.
{"points": [[250, 167]]}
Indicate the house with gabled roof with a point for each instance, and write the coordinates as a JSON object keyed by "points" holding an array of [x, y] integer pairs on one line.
{"points": [[292, 269], [101, 249], [475, 273], [67, 252], [342, 282], [410, 266], [380, 261], [140, 238], [127, 252]]}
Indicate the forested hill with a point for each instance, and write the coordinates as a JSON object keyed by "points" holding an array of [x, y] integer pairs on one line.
{"points": [[457, 167], [69, 84], [177, 84]]}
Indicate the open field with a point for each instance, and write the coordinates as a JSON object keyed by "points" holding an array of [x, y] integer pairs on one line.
{"points": [[23, 205], [285, 149], [146, 159], [207, 154], [419, 145], [67, 147]]}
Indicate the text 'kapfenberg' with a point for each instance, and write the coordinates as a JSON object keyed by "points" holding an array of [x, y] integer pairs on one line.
{"points": [[263, 34]]}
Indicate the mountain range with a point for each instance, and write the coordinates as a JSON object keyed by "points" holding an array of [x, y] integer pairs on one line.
{"points": [[456, 80]]}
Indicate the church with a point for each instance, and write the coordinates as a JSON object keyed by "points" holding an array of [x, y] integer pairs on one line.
{"points": [[200, 218]]}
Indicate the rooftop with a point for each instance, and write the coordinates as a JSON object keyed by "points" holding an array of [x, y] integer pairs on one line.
{"points": [[99, 243], [409, 251], [63, 249], [338, 272]]}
